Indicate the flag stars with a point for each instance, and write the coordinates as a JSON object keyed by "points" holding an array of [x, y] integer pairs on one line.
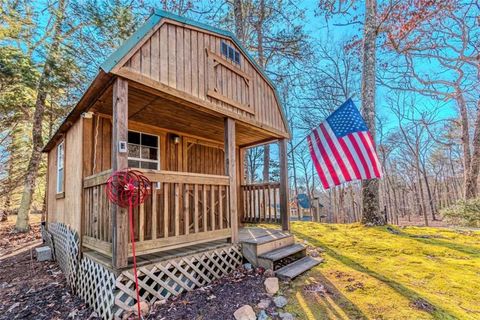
{"points": [[346, 120]]}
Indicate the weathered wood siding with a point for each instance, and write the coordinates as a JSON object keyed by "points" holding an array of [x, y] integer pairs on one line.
{"points": [[189, 155], [205, 159], [190, 60], [67, 209]]}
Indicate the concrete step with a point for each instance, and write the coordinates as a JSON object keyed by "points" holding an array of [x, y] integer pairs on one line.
{"points": [[296, 268]]}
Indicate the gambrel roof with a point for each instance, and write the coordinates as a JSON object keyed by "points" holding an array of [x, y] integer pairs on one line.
{"points": [[128, 49]]}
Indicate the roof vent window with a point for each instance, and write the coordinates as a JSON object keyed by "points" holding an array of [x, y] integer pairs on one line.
{"points": [[230, 52]]}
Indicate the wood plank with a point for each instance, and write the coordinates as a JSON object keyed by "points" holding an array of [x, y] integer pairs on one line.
{"points": [[232, 102], [119, 161], [177, 209], [230, 170], [141, 224], [212, 207], [172, 62], [97, 245], [296, 268], [284, 211], [166, 211], [204, 207], [180, 59], [184, 177], [196, 207], [164, 54], [195, 62], [154, 210], [186, 209], [180, 241], [187, 57], [155, 56], [220, 207]]}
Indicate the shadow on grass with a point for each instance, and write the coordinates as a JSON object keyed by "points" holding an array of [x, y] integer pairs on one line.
{"points": [[434, 242], [347, 306], [413, 296]]}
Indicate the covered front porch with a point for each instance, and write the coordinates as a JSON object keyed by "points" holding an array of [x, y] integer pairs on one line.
{"points": [[197, 196]]}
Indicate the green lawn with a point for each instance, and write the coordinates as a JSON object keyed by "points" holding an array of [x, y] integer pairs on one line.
{"points": [[374, 273]]}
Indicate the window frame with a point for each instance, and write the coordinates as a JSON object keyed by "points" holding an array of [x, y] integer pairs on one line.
{"points": [[140, 145], [229, 48], [60, 156]]}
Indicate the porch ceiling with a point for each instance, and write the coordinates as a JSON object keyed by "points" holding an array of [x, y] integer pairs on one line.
{"points": [[145, 107]]}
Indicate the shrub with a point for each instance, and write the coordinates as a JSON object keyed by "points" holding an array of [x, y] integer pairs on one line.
{"points": [[464, 213]]}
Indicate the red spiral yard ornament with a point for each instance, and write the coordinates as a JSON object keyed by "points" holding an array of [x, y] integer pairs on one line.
{"points": [[129, 188]]}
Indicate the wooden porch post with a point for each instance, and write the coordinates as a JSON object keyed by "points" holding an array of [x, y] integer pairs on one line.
{"points": [[284, 211], [231, 172], [119, 161]]}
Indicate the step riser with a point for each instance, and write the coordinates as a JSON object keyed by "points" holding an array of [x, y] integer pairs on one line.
{"points": [[275, 244], [251, 251], [269, 264]]}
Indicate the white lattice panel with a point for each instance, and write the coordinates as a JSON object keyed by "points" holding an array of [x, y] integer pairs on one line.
{"points": [[172, 277], [66, 247], [96, 286]]}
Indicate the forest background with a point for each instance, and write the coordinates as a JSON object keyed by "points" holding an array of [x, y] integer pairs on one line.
{"points": [[425, 112]]}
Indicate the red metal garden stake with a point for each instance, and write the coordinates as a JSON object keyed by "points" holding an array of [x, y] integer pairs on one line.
{"points": [[128, 188]]}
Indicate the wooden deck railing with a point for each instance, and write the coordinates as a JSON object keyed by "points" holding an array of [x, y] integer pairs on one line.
{"points": [[261, 202], [182, 209]]}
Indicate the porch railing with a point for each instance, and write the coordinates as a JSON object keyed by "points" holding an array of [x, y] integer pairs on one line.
{"points": [[261, 202], [182, 209]]}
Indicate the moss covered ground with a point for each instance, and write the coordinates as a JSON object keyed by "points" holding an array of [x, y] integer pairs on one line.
{"points": [[388, 273]]}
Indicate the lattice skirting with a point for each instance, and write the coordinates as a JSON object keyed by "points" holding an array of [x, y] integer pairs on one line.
{"points": [[172, 277], [110, 296], [96, 286], [66, 248]]}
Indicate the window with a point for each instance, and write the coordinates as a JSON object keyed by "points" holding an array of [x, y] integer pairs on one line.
{"points": [[143, 151], [60, 166], [230, 52]]}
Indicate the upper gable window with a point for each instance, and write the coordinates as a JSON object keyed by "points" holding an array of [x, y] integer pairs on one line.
{"points": [[230, 52]]}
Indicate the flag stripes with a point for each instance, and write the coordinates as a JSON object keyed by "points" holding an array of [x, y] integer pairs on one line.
{"points": [[345, 156]]}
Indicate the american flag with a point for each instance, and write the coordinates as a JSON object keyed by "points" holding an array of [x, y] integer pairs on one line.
{"points": [[342, 149]]}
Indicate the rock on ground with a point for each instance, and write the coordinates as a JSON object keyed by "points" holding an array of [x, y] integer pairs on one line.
{"points": [[262, 315], [280, 301], [271, 285], [264, 304], [286, 316], [245, 313]]}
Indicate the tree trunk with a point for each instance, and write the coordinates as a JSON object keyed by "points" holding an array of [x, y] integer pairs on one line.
{"points": [[239, 23], [471, 175], [261, 62], [37, 139], [462, 106], [431, 200], [370, 188]]}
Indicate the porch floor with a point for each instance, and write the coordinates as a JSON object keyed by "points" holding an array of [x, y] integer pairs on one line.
{"points": [[256, 235], [159, 256]]}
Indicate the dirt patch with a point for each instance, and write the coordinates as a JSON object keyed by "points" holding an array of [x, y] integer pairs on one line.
{"points": [[217, 301], [11, 241], [31, 289], [422, 304]]}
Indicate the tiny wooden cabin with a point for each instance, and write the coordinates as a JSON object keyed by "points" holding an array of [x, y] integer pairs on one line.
{"points": [[187, 100]]}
